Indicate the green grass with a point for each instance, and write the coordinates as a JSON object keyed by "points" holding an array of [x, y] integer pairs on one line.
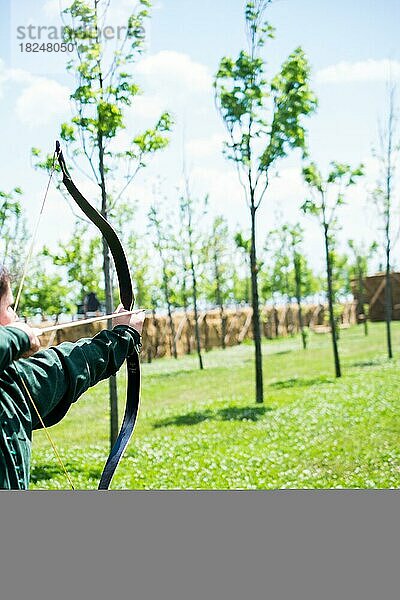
{"points": [[203, 430]]}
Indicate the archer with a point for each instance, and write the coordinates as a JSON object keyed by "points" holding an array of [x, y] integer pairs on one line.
{"points": [[37, 387]]}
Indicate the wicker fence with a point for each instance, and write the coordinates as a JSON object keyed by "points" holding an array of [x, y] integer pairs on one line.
{"points": [[237, 326]]}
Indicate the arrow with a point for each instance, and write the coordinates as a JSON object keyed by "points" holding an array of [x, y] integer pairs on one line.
{"points": [[41, 331]]}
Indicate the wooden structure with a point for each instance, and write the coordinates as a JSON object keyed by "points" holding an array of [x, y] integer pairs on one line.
{"points": [[157, 340], [374, 295]]}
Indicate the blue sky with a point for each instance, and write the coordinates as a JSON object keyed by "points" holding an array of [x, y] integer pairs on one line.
{"points": [[352, 46]]}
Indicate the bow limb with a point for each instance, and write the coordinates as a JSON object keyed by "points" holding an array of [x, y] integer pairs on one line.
{"points": [[127, 300]]}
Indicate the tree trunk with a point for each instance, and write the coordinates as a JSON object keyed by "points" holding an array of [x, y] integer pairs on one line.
{"points": [[112, 382], [206, 335], [389, 175], [187, 330], [256, 309], [276, 321], [361, 299], [173, 350], [196, 314], [223, 326], [186, 310], [388, 305], [297, 273], [157, 336], [219, 302], [172, 330], [330, 302]]}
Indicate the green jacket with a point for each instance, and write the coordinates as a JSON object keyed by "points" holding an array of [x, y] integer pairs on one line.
{"points": [[55, 378]]}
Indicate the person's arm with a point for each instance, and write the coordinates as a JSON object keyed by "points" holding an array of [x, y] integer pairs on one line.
{"points": [[14, 342], [57, 377]]}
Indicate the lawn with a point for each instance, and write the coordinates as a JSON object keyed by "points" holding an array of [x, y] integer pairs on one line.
{"points": [[203, 430]]}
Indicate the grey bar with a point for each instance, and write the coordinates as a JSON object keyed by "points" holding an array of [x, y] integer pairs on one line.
{"points": [[200, 545]]}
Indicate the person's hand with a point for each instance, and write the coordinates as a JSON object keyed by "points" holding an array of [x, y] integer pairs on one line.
{"points": [[33, 335], [135, 320]]}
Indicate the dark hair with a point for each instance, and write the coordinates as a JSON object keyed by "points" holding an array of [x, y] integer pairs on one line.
{"points": [[4, 280]]}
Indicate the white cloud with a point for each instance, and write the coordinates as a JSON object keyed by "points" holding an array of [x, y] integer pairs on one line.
{"points": [[41, 98], [51, 8], [360, 71], [222, 185], [41, 101], [205, 147], [175, 71], [13, 75], [148, 107], [122, 8]]}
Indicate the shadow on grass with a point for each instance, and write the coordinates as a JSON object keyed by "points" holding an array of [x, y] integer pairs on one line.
{"points": [[366, 363], [244, 413], [175, 374], [45, 472], [232, 413], [300, 382]]}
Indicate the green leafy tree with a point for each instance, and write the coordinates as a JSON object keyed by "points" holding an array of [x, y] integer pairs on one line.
{"points": [[163, 245], [278, 258], [191, 213], [300, 271], [287, 272], [80, 257], [13, 232], [220, 288], [138, 256], [340, 282], [45, 293], [327, 195], [264, 121], [104, 89], [183, 293], [243, 244]]}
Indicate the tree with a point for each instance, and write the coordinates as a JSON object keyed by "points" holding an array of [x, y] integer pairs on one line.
{"points": [[243, 244], [324, 205], [183, 288], [163, 248], [340, 281], [278, 257], [80, 258], [387, 155], [191, 237], [46, 294], [219, 289], [105, 88], [264, 120], [137, 252], [286, 272], [12, 231], [296, 234], [358, 271]]}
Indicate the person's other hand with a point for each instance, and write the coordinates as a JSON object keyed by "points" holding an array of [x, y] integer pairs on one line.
{"points": [[135, 320], [33, 335]]}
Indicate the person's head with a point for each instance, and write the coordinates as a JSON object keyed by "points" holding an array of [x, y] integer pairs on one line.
{"points": [[7, 314]]}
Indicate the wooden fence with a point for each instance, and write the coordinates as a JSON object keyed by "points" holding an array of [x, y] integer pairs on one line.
{"points": [[158, 341]]}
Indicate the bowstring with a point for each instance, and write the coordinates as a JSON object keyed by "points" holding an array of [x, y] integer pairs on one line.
{"points": [[34, 236], [47, 432], [16, 303]]}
